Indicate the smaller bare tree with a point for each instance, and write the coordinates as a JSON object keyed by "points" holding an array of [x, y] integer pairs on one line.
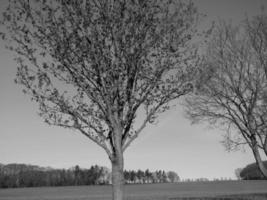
{"points": [[256, 28], [231, 90]]}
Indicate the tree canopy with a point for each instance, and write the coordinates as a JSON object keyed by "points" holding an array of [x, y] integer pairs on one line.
{"points": [[93, 65]]}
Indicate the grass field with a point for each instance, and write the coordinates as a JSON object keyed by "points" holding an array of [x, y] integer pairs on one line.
{"points": [[226, 190]]}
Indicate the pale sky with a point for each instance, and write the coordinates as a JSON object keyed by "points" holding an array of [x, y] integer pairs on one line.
{"points": [[193, 151]]}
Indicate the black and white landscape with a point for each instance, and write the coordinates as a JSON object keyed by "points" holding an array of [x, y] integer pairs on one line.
{"points": [[133, 99]]}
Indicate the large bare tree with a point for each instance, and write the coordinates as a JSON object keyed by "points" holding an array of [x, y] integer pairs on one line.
{"points": [[231, 88], [93, 64]]}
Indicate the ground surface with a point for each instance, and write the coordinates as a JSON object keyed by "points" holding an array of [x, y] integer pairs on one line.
{"points": [[240, 189]]}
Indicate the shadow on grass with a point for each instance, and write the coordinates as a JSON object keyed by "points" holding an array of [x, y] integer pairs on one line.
{"points": [[227, 197]]}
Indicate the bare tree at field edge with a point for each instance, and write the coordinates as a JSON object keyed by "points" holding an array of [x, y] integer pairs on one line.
{"points": [[232, 85]]}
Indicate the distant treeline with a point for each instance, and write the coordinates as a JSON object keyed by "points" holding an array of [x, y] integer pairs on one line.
{"points": [[252, 172], [22, 175], [159, 176]]}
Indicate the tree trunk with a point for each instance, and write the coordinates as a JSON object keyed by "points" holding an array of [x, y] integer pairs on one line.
{"points": [[117, 178], [117, 162], [259, 162], [265, 145]]}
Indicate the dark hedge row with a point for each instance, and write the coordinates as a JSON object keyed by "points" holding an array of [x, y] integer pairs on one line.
{"points": [[252, 172]]}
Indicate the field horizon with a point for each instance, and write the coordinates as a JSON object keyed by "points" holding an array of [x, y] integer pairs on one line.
{"points": [[161, 191]]}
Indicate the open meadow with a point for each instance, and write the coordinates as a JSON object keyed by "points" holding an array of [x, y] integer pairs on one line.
{"points": [[192, 190]]}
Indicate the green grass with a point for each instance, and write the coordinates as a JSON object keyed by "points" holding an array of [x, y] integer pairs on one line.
{"points": [[226, 190]]}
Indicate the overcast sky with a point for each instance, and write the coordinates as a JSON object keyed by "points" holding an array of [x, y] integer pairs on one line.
{"points": [[193, 151]]}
